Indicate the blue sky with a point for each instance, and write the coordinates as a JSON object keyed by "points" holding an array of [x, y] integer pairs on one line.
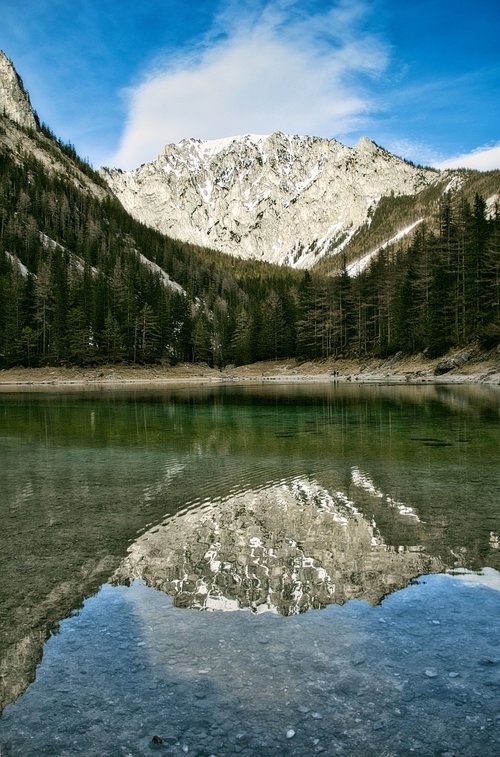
{"points": [[122, 78]]}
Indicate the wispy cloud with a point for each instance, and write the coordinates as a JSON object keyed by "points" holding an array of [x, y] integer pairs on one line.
{"points": [[264, 66], [416, 150], [484, 158]]}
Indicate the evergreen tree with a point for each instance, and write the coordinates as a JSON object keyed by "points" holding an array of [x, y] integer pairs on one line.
{"points": [[112, 345], [81, 342], [201, 342], [489, 283], [241, 340]]}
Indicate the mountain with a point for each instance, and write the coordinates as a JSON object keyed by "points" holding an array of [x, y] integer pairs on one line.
{"points": [[23, 137], [290, 200], [82, 281]]}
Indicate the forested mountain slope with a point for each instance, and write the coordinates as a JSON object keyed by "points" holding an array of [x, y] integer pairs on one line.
{"points": [[395, 219], [81, 281]]}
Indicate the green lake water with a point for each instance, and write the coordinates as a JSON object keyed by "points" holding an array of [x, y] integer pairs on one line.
{"points": [[269, 569]]}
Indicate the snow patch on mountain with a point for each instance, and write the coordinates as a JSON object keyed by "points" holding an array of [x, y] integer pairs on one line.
{"points": [[279, 198], [74, 260]]}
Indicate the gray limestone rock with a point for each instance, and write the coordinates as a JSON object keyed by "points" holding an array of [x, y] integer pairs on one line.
{"points": [[284, 199], [14, 100], [447, 364]]}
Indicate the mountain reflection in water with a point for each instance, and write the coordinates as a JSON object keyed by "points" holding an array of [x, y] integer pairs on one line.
{"points": [[287, 548], [269, 497]]}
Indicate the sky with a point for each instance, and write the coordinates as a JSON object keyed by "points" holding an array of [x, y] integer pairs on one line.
{"points": [[120, 79]]}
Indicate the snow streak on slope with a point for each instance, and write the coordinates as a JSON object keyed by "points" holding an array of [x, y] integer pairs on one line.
{"points": [[284, 199], [359, 265], [74, 259], [164, 277], [18, 264]]}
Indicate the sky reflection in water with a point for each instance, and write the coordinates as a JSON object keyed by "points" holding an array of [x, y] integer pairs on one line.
{"points": [[279, 499]]}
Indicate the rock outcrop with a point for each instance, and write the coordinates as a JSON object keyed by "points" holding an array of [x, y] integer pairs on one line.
{"points": [[447, 364], [14, 99]]}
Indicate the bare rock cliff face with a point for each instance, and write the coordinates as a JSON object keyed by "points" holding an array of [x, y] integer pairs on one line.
{"points": [[14, 100], [284, 199]]}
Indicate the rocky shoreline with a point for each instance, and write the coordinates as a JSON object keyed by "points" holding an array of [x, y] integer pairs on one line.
{"points": [[464, 367]]}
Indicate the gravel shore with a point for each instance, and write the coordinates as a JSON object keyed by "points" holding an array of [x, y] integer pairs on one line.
{"points": [[479, 368]]}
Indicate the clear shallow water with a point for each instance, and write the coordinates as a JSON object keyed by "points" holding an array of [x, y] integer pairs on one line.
{"points": [[283, 499], [413, 675]]}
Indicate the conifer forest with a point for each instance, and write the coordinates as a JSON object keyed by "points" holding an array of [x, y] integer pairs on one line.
{"points": [[80, 283]]}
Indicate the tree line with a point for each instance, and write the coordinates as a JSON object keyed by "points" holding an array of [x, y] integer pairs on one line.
{"points": [[75, 287]]}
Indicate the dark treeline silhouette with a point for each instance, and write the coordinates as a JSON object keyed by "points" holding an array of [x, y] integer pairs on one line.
{"points": [[76, 287]]}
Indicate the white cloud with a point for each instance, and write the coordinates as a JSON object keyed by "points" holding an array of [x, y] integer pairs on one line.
{"points": [[484, 158], [258, 71]]}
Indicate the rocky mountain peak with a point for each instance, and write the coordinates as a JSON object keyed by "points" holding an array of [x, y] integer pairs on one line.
{"points": [[276, 197], [367, 145], [14, 99]]}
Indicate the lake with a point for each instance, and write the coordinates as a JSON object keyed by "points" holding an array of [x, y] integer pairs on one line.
{"points": [[258, 570]]}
